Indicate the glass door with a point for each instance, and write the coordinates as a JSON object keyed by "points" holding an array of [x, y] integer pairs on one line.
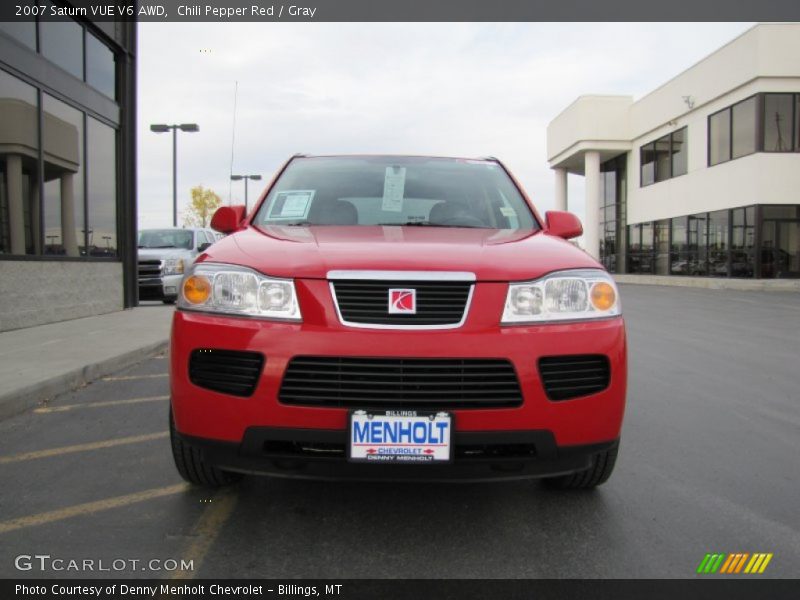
{"points": [[780, 250]]}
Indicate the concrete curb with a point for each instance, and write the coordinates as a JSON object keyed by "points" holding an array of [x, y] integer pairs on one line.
{"points": [[21, 400], [711, 283]]}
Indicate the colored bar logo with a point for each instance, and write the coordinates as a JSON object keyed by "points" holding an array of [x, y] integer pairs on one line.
{"points": [[739, 562]]}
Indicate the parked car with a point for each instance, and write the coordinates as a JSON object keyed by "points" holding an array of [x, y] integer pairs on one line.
{"points": [[392, 318], [164, 256]]}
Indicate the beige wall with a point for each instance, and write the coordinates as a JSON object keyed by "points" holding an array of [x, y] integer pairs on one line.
{"points": [[34, 292], [766, 58]]}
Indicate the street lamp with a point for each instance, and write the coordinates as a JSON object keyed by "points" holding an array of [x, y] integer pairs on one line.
{"points": [[246, 178], [161, 128]]}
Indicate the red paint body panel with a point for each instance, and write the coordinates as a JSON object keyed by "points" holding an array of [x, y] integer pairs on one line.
{"points": [[203, 413], [307, 254], [310, 252]]}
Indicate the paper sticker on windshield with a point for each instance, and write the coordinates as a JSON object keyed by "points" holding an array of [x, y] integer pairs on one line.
{"points": [[293, 204], [394, 185], [507, 211]]}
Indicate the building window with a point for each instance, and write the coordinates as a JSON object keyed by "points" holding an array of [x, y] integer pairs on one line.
{"points": [[612, 213], [718, 223], [697, 243], [647, 157], [62, 43], [762, 123], [100, 67], [640, 248], [778, 122], [719, 137], [743, 127], [797, 122], [665, 158], [661, 247], [19, 167], [64, 228], [678, 144], [743, 242], [678, 250], [101, 158], [22, 31]]}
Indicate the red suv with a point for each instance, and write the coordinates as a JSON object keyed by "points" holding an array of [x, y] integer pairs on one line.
{"points": [[397, 317]]}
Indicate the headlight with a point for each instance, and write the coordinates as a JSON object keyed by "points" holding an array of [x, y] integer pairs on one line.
{"points": [[562, 296], [173, 266], [238, 291]]}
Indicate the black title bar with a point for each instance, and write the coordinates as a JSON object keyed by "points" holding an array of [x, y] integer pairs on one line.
{"points": [[390, 589], [402, 10]]}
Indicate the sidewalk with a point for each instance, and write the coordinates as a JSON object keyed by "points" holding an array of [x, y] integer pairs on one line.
{"points": [[41, 362], [713, 283]]}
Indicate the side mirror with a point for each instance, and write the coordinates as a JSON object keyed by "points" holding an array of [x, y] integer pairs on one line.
{"points": [[203, 247], [563, 224], [227, 218]]}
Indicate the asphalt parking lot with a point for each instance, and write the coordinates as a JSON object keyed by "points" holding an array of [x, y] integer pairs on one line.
{"points": [[709, 462]]}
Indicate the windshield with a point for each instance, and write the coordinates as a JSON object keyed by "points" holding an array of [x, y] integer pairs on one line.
{"points": [[165, 238], [389, 190]]}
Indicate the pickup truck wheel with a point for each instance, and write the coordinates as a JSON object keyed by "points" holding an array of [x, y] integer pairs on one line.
{"points": [[191, 465], [599, 472]]}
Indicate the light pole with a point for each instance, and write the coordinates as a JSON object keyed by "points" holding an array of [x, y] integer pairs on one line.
{"points": [[246, 179], [161, 128]]}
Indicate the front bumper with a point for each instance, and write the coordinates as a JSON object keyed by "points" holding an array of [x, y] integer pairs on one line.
{"points": [[200, 413], [320, 454]]}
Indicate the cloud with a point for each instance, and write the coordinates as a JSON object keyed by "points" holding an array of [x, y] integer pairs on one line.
{"points": [[460, 89]]}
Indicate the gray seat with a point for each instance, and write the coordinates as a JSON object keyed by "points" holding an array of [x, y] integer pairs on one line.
{"points": [[450, 211], [333, 212]]}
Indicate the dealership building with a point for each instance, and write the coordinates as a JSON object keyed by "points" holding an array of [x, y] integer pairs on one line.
{"points": [[700, 177], [67, 170]]}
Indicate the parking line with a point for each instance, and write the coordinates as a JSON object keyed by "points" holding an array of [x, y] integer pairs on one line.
{"points": [[66, 407], [132, 377], [82, 447], [207, 529], [89, 508]]}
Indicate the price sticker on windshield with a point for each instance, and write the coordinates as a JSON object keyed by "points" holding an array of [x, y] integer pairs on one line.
{"points": [[292, 204], [394, 186]]}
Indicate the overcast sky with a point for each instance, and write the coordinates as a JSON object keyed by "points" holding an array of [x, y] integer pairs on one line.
{"points": [[444, 88]]}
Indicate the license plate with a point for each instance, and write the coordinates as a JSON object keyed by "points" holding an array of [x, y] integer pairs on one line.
{"points": [[400, 436]]}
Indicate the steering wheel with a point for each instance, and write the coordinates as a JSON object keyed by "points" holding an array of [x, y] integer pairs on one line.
{"points": [[463, 219]]}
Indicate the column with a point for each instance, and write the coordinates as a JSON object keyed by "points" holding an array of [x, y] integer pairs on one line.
{"points": [[591, 235], [36, 215], [561, 188], [68, 215], [16, 207]]}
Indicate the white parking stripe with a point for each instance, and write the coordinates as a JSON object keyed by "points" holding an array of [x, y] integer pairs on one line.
{"points": [[82, 447], [66, 407]]}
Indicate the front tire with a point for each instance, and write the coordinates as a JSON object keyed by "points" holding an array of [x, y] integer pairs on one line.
{"points": [[193, 467], [601, 469]]}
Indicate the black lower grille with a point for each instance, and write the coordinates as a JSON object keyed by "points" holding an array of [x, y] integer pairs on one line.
{"points": [[226, 371], [566, 377], [367, 302], [400, 382]]}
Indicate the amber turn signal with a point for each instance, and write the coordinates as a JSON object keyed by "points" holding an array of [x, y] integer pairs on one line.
{"points": [[603, 295], [196, 289]]}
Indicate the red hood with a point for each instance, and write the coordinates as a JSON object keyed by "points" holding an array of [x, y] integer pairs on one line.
{"points": [[310, 252]]}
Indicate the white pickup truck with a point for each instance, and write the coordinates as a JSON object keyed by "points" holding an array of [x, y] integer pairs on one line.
{"points": [[164, 254]]}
